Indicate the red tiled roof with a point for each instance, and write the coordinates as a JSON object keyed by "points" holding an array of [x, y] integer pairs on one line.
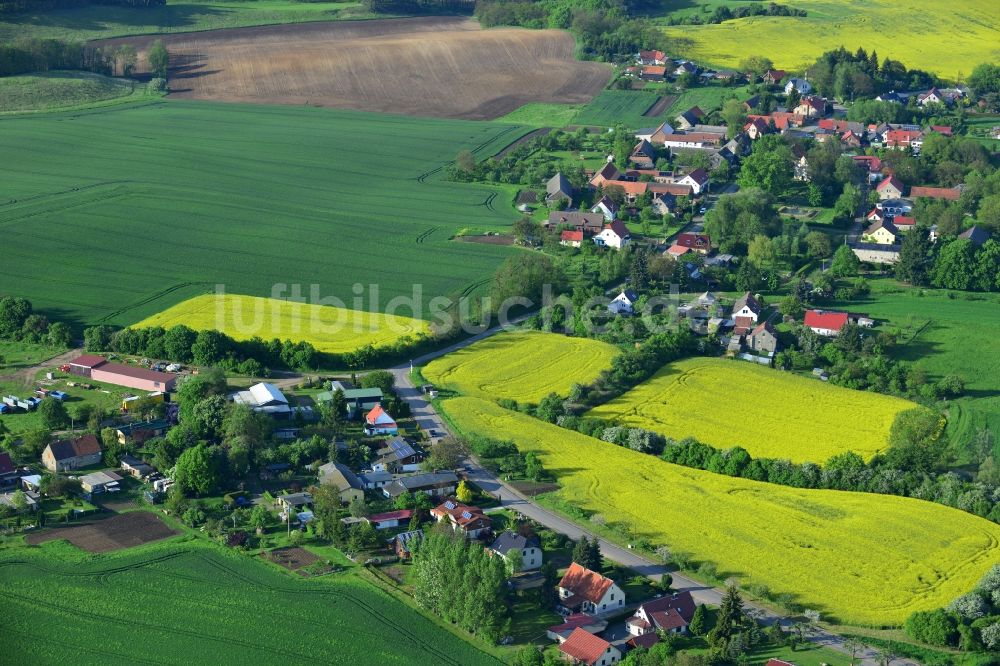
{"points": [[698, 241], [658, 70], [696, 137], [629, 187], [905, 137], [875, 213], [136, 373], [682, 602], [676, 189], [678, 250], [668, 620], [376, 412], [584, 646], [904, 221], [88, 360], [941, 129], [402, 514], [573, 621], [871, 162], [833, 321], [949, 193], [585, 583], [571, 236], [645, 641], [778, 662]]}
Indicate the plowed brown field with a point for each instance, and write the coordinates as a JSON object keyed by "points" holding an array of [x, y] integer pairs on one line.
{"points": [[444, 67]]}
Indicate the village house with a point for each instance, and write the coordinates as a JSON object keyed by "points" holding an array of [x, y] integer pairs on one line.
{"points": [[607, 208], [812, 106], [763, 339], [469, 520], [586, 591], [66, 455], [615, 235], [651, 58], [585, 648], [894, 207], [669, 614], [976, 235], [890, 188], [756, 128], [528, 548], [623, 303], [31, 503], [664, 204], [293, 503], [689, 118], [608, 172], [691, 140], [904, 223], [559, 188], [902, 138], [140, 432], [588, 223], [372, 480], [881, 232], [871, 164], [773, 77], [391, 519], [340, 476], [745, 313], [435, 484], [357, 401], [404, 543], [801, 86], [398, 455], [825, 322], [571, 238], [655, 73], [264, 398], [700, 243], [945, 193], [378, 422], [8, 471], [654, 135], [135, 467], [697, 180]]}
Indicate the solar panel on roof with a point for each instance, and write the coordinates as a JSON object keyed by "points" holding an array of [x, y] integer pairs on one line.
{"points": [[449, 504], [466, 515]]}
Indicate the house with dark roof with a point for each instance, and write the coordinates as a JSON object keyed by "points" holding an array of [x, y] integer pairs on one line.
{"points": [[357, 401], [583, 647], [136, 468], [881, 232], [745, 312], [589, 223], [623, 303], [584, 591], [689, 118], [139, 432], [435, 484], [390, 519], [558, 187], [469, 520], [812, 106], [343, 479], [404, 543], [670, 614], [72, 454], [608, 172], [529, 549], [697, 179], [615, 235], [606, 207], [977, 235], [773, 76], [8, 471], [398, 455], [890, 188], [763, 339]]}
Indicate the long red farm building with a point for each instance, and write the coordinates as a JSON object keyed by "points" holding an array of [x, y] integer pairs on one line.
{"points": [[100, 369]]}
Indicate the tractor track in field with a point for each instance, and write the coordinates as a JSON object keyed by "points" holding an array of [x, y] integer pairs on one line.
{"points": [[149, 299], [474, 286], [423, 235]]}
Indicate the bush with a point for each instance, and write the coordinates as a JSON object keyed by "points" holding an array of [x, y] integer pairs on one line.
{"points": [[935, 627], [969, 606]]}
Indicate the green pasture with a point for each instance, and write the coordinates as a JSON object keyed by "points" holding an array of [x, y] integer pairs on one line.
{"points": [[946, 333], [196, 603], [64, 90], [113, 215], [17, 355], [611, 107], [101, 21]]}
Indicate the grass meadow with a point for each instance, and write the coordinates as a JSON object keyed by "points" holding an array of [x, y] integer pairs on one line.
{"points": [[97, 21], [64, 90], [858, 558], [935, 35], [771, 414], [196, 603], [521, 366], [138, 207], [329, 329], [946, 333]]}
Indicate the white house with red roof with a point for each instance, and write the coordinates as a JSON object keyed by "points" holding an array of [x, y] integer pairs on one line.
{"points": [[826, 322], [700, 243], [746, 311], [571, 238], [589, 623], [378, 422], [670, 614], [583, 647], [652, 58], [585, 591], [890, 188], [614, 235]]}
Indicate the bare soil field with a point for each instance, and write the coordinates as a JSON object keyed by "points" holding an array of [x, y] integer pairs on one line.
{"points": [[442, 67], [121, 531], [660, 106], [291, 558]]}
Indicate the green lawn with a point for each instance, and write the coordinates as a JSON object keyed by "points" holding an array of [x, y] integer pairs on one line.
{"points": [[17, 355], [946, 336], [135, 208], [101, 21], [707, 98], [196, 602], [620, 106], [66, 90], [542, 114]]}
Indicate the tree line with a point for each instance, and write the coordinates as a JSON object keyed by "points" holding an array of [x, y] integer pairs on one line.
{"points": [[726, 13], [22, 6], [970, 622], [19, 322]]}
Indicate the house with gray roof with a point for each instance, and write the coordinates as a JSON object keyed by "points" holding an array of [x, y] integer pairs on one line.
{"points": [[435, 484], [558, 188], [529, 549]]}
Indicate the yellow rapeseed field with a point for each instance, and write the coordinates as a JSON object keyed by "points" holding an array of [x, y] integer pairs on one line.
{"points": [[858, 558], [329, 329], [771, 414], [523, 366], [941, 36]]}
